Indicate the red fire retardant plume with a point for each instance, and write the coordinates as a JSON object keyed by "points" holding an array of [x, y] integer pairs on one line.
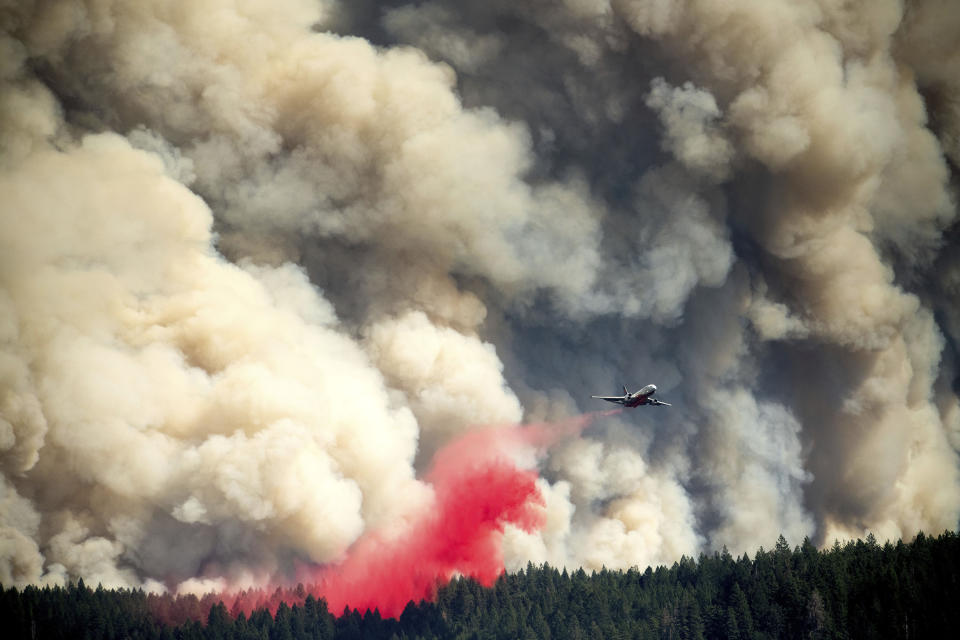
{"points": [[478, 490]]}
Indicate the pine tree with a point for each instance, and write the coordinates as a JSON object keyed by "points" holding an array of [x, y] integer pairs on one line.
{"points": [[219, 623], [732, 629]]}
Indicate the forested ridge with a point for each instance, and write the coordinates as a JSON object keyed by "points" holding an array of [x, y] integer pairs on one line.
{"points": [[855, 590]]}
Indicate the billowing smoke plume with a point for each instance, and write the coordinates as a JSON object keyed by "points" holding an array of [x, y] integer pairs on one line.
{"points": [[261, 261]]}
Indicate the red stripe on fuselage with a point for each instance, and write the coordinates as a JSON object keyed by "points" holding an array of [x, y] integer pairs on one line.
{"points": [[636, 402]]}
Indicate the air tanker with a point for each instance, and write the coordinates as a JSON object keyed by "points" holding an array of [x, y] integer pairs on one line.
{"points": [[644, 396]]}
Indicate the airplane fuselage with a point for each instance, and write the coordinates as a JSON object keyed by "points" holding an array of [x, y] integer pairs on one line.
{"points": [[640, 397]]}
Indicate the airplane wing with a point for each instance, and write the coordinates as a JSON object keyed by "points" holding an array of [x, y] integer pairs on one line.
{"points": [[616, 399], [654, 401]]}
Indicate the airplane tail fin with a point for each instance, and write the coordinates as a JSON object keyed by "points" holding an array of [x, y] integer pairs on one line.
{"points": [[625, 392]]}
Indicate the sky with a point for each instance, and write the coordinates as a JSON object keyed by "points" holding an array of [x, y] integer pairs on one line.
{"points": [[263, 265]]}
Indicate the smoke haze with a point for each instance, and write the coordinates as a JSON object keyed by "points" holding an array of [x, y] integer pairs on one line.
{"points": [[262, 263]]}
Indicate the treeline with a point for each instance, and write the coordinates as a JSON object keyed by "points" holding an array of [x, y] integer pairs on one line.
{"points": [[857, 590]]}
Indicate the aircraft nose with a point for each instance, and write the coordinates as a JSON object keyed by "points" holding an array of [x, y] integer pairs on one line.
{"points": [[653, 387]]}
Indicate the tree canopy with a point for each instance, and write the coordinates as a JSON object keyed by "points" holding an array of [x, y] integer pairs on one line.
{"points": [[854, 590]]}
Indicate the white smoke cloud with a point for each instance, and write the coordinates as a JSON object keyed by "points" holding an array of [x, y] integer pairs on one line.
{"points": [[646, 515], [252, 272], [689, 117], [168, 377], [451, 381], [19, 524], [434, 29], [757, 466]]}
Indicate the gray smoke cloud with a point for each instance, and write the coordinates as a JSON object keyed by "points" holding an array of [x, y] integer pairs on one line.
{"points": [[258, 262]]}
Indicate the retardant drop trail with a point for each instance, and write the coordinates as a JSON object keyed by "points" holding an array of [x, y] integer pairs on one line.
{"points": [[478, 491]]}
